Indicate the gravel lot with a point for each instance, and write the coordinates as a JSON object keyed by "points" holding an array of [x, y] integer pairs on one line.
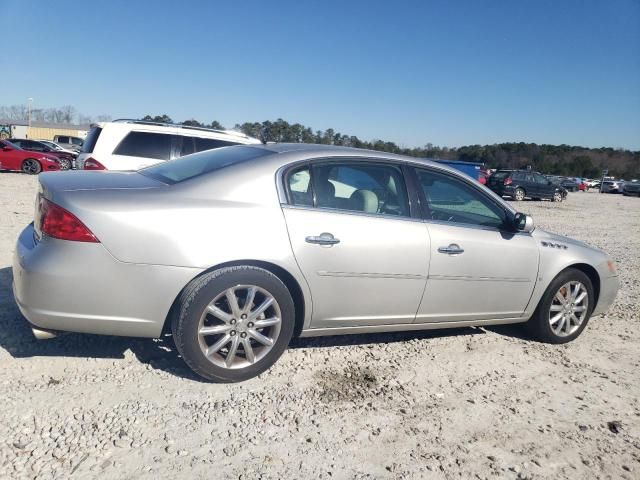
{"points": [[471, 403]]}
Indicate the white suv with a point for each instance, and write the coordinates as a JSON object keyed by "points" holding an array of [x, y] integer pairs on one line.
{"points": [[135, 144]]}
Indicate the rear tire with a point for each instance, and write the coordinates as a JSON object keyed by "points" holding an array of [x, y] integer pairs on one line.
{"points": [[546, 324], [31, 166], [557, 197], [219, 337]]}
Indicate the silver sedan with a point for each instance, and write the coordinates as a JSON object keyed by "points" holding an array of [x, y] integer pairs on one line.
{"points": [[237, 250]]}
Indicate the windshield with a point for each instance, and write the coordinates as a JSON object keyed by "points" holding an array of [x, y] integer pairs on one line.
{"points": [[198, 164], [51, 145]]}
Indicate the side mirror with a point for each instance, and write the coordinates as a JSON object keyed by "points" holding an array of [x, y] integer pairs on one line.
{"points": [[6, 149], [523, 222]]}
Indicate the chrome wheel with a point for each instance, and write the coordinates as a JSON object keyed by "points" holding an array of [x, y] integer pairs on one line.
{"points": [[239, 327], [519, 194], [64, 164], [557, 197], [31, 166], [569, 308]]}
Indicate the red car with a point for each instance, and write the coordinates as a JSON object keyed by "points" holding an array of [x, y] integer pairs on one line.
{"points": [[65, 159], [13, 157]]}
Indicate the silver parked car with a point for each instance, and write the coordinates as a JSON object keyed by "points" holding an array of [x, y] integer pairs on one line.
{"points": [[238, 249]]}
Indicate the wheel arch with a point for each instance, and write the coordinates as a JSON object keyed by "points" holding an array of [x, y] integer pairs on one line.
{"points": [[593, 275], [285, 277]]}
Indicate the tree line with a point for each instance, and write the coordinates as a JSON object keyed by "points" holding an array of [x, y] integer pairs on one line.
{"points": [[551, 159], [65, 114]]}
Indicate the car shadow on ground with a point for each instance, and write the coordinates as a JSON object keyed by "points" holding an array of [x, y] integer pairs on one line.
{"points": [[16, 338]]}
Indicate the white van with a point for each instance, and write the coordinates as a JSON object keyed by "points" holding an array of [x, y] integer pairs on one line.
{"points": [[134, 144]]}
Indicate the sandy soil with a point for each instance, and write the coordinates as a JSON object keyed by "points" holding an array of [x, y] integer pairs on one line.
{"points": [[470, 403]]}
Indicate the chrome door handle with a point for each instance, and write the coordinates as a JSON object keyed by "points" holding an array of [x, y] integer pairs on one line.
{"points": [[324, 238], [453, 249]]}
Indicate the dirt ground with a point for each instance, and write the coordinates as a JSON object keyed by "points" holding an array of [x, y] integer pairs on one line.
{"points": [[467, 403]]}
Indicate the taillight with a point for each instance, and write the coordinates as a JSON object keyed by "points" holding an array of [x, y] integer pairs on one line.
{"points": [[93, 164], [507, 181], [57, 222]]}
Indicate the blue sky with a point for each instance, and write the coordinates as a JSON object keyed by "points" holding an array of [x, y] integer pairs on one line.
{"points": [[449, 73]]}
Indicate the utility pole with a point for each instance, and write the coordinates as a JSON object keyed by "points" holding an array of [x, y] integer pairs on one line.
{"points": [[29, 101]]}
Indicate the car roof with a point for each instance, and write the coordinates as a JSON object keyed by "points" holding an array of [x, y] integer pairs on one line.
{"points": [[312, 150]]}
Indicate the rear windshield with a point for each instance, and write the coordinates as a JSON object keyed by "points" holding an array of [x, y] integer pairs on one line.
{"points": [[91, 140], [192, 166], [499, 175]]}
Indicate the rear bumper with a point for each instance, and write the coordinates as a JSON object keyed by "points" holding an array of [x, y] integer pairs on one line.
{"points": [[79, 287]]}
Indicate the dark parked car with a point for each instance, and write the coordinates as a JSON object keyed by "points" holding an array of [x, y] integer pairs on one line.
{"points": [[65, 159], [570, 184], [631, 188], [520, 184]]}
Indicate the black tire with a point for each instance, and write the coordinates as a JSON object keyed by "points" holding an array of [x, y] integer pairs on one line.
{"points": [[519, 194], [197, 296], [539, 326], [31, 166], [557, 197]]}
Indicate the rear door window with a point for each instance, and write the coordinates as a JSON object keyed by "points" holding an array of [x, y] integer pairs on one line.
{"points": [[63, 139], [145, 145]]}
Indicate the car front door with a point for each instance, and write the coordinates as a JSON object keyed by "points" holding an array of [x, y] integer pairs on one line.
{"points": [[544, 185], [364, 257], [480, 268]]}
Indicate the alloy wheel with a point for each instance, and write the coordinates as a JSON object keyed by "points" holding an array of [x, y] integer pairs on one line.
{"points": [[569, 308], [30, 166], [239, 326], [64, 164], [519, 194], [557, 197]]}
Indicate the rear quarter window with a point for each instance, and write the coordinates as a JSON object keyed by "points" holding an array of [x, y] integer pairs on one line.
{"points": [[210, 143], [145, 145]]}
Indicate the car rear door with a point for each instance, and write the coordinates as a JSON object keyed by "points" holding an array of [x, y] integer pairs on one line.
{"points": [[364, 256], [479, 269]]}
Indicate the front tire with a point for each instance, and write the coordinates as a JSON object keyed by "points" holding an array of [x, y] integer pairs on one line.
{"points": [[233, 324], [565, 308], [519, 194], [31, 166]]}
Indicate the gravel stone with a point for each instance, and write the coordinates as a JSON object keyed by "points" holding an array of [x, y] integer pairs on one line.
{"points": [[467, 403]]}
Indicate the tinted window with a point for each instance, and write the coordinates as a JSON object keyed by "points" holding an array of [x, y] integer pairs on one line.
{"points": [[500, 175], [453, 200], [91, 140], [63, 139], [299, 183], [185, 168], [146, 145], [188, 146], [76, 141], [518, 177], [540, 179], [363, 187], [210, 143]]}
